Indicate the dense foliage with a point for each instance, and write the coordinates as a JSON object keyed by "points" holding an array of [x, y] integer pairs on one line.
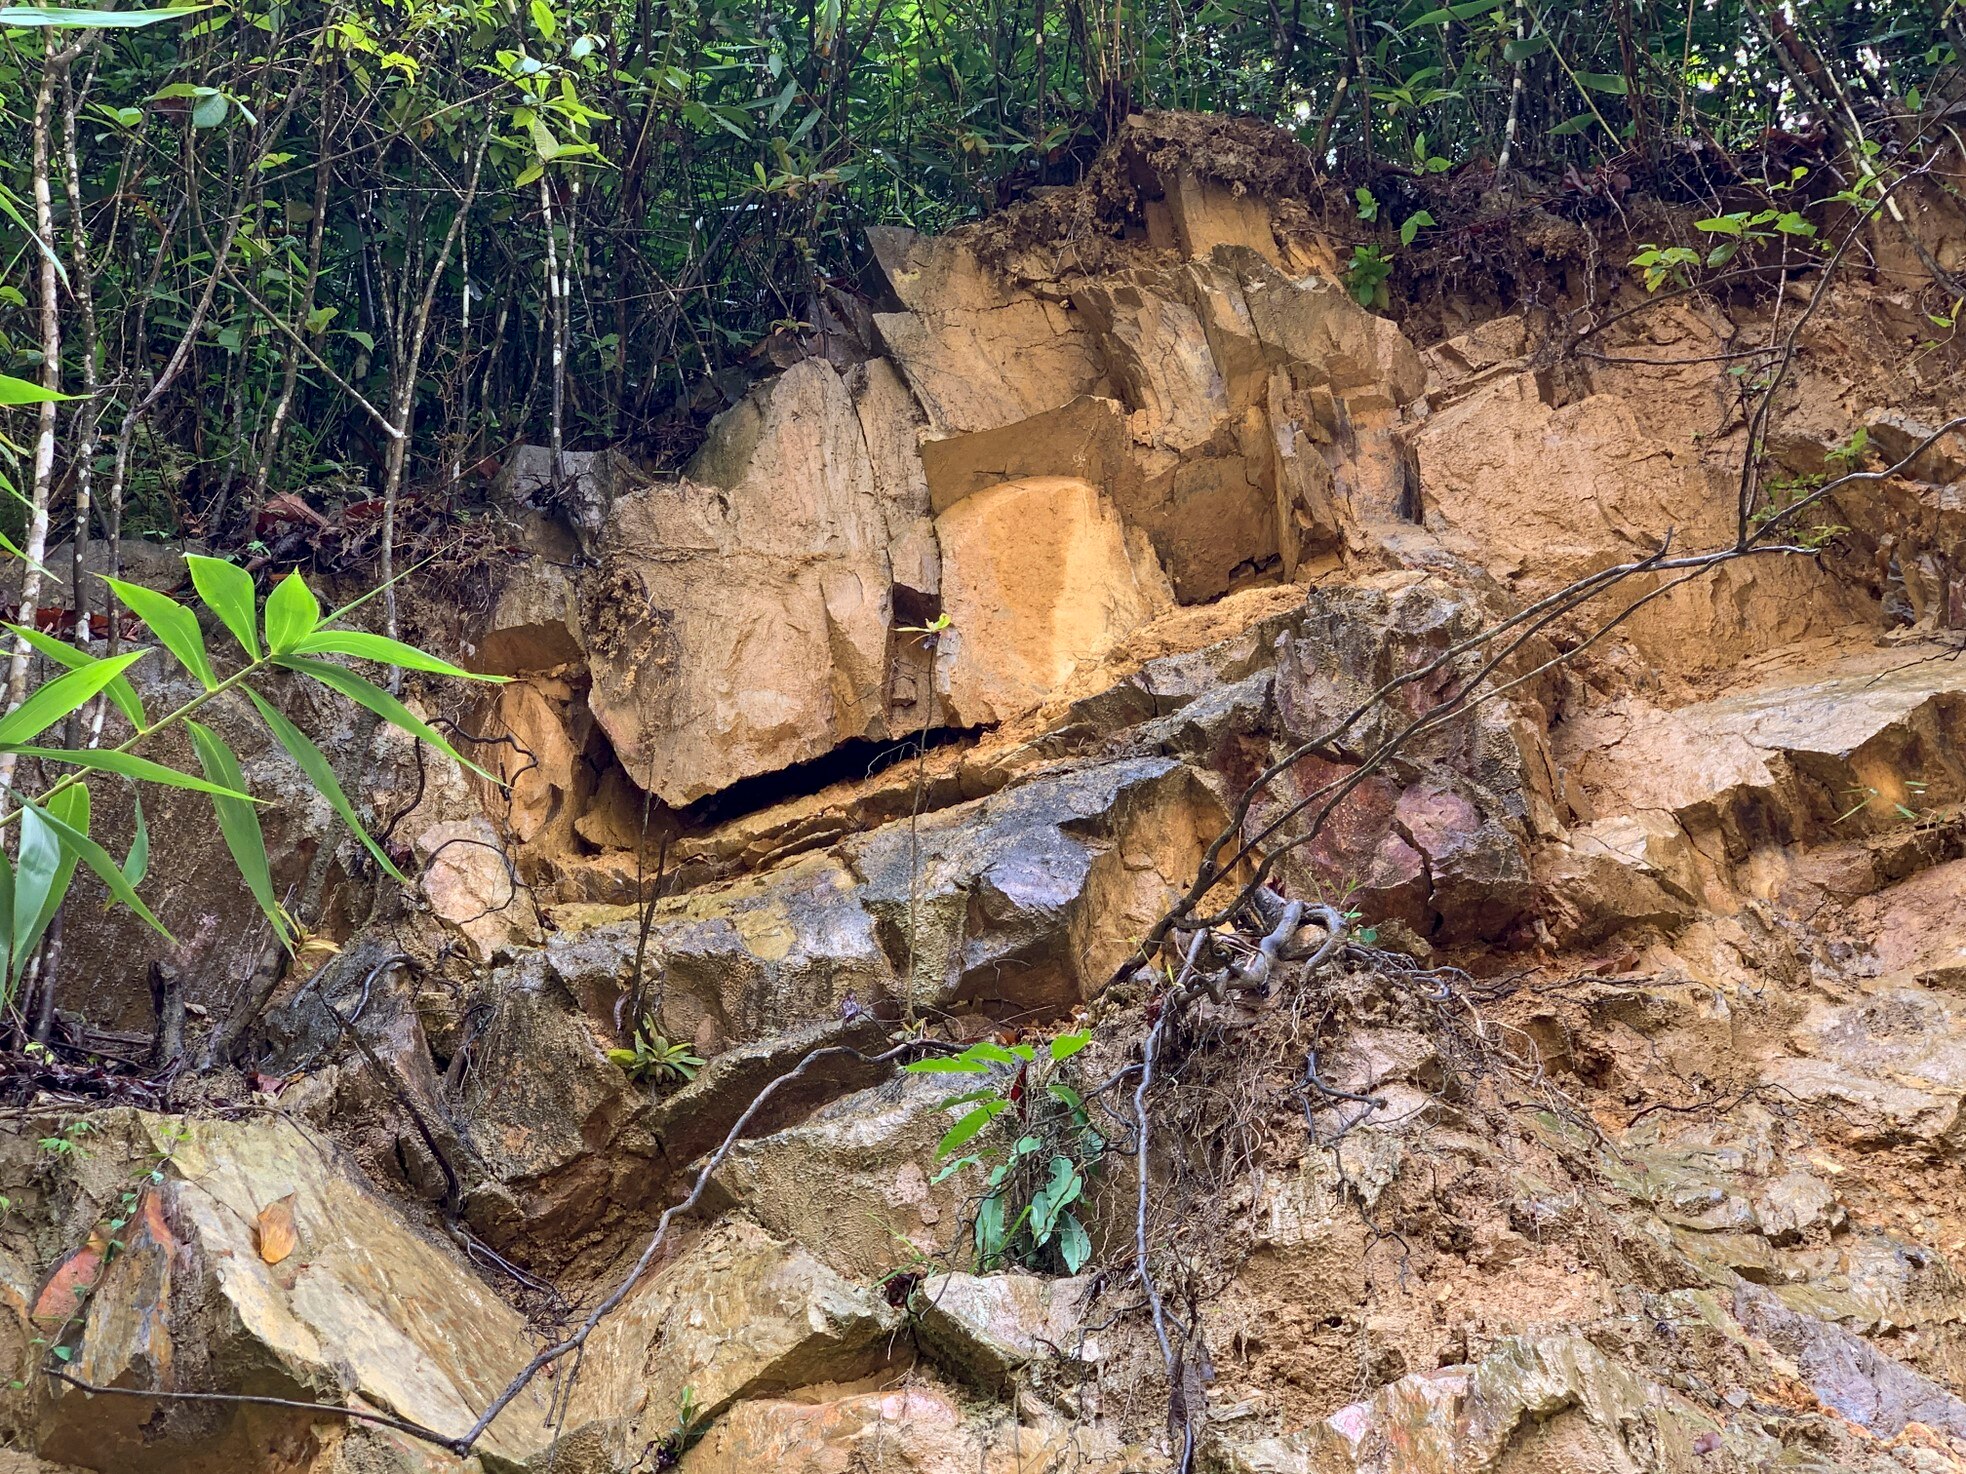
{"points": [[357, 247]]}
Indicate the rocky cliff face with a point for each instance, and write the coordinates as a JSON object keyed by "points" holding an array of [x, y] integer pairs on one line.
{"points": [[1619, 1136]]}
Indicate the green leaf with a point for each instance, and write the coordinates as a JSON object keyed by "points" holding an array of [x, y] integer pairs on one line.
{"points": [[544, 20], [1412, 225], [1067, 1045], [210, 111], [1465, 10], [227, 590], [1573, 125], [382, 650], [97, 859], [990, 1232], [995, 1053], [126, 765], [57, 698], [1074, 1245], [292, 614], [1609, 82], [42, 872], [137, 864], [6, 923], [956, 1066], [1527, 47], [239, 824], [21, 391], [172, 623], [62, 653], [90, 20], [300, 747], [969, 1125], [364, 693]]}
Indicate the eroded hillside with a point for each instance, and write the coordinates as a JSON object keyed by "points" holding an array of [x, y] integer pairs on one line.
{"points": [[1592, 1110]]}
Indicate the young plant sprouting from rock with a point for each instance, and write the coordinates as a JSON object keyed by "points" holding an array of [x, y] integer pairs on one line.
{"points": [[290, 634], [1038, 1169], [656, 1059]]}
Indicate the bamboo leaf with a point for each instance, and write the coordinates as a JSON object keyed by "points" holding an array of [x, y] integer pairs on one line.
{"points": [[37, 876], [365, 693], [60, 651], [292, 614], [97, 859], [39, 16], [137, 864], [20, 391], [172, 623], [128, 766], [239, 824], [300, 747], [227, 590], [57, 698], [383, 651]]}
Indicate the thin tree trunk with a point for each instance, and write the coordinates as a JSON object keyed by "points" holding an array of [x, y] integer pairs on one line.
{"points": [[403, 397], [290, 374], [54, 64]]}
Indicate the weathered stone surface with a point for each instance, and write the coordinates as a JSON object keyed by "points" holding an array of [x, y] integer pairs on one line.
{"points": [[987, 1328], [739, 622], [1025, 902], [1039, 577], [853, 1182], [977, 352], [1555, 1399], [1788, 759], [918, 1429], [1437, 841], [736, 1315], [362, 1309], [1889, 1064]]}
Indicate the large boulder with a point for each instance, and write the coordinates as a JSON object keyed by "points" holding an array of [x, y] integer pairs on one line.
{"points": [[259, 1263], [1039, 577], [739, 621]]}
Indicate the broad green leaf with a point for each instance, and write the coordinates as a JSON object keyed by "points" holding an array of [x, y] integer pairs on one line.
{"points": [[1609, 82], [364, 693], [1465, 10], [62, 653], [993, 1052], [990, 1232], [956, 1066], [6, 924], [239, 824], [97, 859], [210, 111], [292, 614], [38, 873], [1573, 125], [126, 765], [1067, 1045], [1527, 47], [21, 391], [57, 698], [90, 20], [383, 651], [300, 747], [137, 864], [227, 590], [969, 1125], [172, 623], [1074, 1245]]}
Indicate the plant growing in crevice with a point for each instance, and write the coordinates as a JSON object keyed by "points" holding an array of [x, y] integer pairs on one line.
{"points": [[653, 1059], [1037, 1159]]}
